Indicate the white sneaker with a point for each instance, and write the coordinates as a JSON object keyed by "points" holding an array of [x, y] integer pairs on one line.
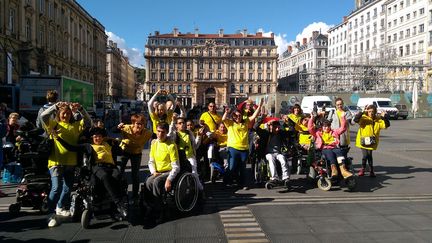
{"points": [[53, 222], [63, 212]]}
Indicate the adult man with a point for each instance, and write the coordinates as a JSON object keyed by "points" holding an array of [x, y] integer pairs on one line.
{"points": [[164, 167], [275, 139], [335, 118], [211, 118], [52, 97]]}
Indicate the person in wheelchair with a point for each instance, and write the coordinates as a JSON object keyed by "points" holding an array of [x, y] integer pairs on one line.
{"points": [[327, 140], [186, 145], [105, 169], [164, 167], [275, 140]]}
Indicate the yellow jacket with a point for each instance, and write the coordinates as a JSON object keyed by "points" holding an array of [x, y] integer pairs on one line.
{"points": [[368, 128]]}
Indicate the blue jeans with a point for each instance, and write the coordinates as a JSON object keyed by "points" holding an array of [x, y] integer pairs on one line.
{"points": [[332, 154], [62, 178], [236, 165]]}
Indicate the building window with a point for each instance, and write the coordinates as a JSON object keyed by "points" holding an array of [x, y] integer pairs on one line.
{"points": [[188, 88], [219, 76], [268, 65], [153, 88], [241, 65], [162, 87], [179, 88], [12, 20], [162, 64], [241, 76], [188, 65], [210, 76], [162, 76], [171, 64], [232, 76], [201, 76], [153, 76], [210, 65], [259, 76], [171, 76], [250, 89], [250, 76], [241, 89], [28, 31], [179, 76], [201, 65], [259, 89], [171, 88], [421, 28], [179, 65], [188, 76], [268, 76], [219, 65]]}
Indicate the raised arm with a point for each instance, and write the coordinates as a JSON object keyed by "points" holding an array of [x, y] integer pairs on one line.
{"points": [[225, 115], [151, 101], [46, 114], [257, 110]]}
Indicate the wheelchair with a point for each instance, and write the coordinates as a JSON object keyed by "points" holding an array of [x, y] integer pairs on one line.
{"points": [[323, 173], [183, 196], [90, 199]]}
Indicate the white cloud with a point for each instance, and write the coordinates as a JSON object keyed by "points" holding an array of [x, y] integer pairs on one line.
{"points": [[135, 55], [307, 32], [281, 39]]}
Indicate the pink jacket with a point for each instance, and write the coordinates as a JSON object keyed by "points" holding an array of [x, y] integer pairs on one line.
{"points": [[317, 134]]}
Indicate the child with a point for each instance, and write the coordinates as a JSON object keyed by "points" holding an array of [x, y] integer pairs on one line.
{"points": [[105, 169]]}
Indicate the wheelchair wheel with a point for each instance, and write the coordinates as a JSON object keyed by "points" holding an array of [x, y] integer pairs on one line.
{"points": [[85, 219], [324, 183], [186, 192], [43, 208], [14, 208], [269, 186], [351, 183]]}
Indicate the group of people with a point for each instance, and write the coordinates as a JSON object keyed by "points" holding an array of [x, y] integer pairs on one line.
{"points": [[178, 143]]}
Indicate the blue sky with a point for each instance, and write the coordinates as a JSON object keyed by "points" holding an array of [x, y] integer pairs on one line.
{"points": [[129, 22]]}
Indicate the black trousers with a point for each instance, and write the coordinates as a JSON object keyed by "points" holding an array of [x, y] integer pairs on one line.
{"points": [[109, 175]]}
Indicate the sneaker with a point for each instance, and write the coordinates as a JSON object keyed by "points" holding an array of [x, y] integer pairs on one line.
{"points": [[122, 210], [53, 221], [287, 183], [372, 174], [361, 172], [63, 212]]}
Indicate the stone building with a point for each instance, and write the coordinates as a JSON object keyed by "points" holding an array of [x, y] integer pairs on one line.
{"points": [[199, 68], [51, 37]]}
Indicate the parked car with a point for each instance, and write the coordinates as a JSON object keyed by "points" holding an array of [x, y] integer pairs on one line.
{"points": [[353, 109], [402, 111]]}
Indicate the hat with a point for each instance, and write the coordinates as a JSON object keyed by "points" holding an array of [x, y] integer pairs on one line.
{"points": [[271, 120]]}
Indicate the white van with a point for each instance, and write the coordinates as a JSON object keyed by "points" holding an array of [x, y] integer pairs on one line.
{"points": [[382, 104], [308, 103]]}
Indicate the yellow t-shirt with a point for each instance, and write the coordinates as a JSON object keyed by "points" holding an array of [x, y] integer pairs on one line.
{"points": [[338, 113], [69, 132], [134, 144], [327, 138], [103, 153], [155, 119], [295, 118], [163, 154], [207, 118], [221, 139], [368, 128], [238, 134], [185, 144]]}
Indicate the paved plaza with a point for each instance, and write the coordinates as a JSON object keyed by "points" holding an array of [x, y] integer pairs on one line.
{"points": [[396, 206]]}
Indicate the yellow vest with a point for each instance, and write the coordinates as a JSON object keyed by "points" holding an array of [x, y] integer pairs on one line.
{"points": [[163, 154], [368, 128], [184, 143]]}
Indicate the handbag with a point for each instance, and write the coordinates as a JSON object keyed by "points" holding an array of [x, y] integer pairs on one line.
{"points": [[369, 140], [46, 146]]}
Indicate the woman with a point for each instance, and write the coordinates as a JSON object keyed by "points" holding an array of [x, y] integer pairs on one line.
{"points": [[61, 162], [158, 111], [134, 136], [368, 135], [238, 142], [12, 128]]}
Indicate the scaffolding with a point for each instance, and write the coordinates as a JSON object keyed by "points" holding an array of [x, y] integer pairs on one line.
{"points": [[381, 71]]}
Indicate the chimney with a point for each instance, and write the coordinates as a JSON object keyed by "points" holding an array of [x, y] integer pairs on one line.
{"points": [[244, 32], [290, 48], [272, 35], [298, 44], [315, 34], [304, 41], [115, 45], [156, 33], [175, 32], [221, 32], [196, 32], [110, 43], [345, 19], [259, 34]]}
